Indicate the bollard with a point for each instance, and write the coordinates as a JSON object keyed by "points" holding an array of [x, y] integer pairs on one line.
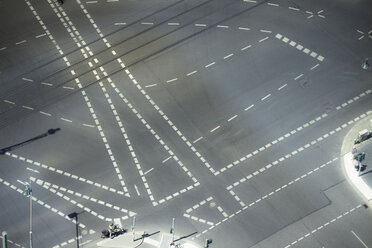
{"points": [[5, 239]]}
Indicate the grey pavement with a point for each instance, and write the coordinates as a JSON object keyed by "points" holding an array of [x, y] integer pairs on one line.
{"points": [[233, 117]]}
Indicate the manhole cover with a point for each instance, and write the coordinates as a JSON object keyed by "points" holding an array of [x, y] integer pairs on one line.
{"points": [[328, 107], [212, 204], [304, 82]]}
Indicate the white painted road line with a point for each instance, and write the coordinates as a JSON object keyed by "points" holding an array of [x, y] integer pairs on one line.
{"points": [[27, 79], [232, 118], [40, 35], [210, 64], [7, 101], [241, 28], [190, 73], [214, 129], [361, 241], [200, 25], [41, 112], [228, 56], [281, 87], [36, 171], [315, 66], [246, 47], [138, 193], [148, 171], [198, 139], [88, 125], [265, 97], [263, 39], [293, 8], [249, 107], [165, 160], [172, 80], [150, 85], [21, 182], [67, 120], [299, 76], [119, 23], [27, 107], [265, 31], [20, 42], [3, 48], [147, 23]]}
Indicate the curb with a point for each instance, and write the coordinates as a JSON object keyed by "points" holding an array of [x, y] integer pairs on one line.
{"points": [[355, 178]]}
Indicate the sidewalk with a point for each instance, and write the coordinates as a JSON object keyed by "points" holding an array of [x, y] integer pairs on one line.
{"points": [[362, 182]]}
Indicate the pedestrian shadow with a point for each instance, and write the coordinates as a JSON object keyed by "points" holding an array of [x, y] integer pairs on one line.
{"points": [[364, 167]]}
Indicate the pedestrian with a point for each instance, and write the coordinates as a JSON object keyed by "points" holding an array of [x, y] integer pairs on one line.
{"points": [[354, 151], [111, 230]]}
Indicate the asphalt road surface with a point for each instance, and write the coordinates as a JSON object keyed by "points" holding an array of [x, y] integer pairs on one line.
{"points": [[228, 116]]}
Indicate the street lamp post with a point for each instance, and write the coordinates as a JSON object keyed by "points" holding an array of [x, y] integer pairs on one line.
{"points": [[5, 239], [75, 215], [28, 193]]}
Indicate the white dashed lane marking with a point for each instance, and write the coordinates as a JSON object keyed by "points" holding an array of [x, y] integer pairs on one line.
{"points": [[48, 114], [249, 107], [13, 243], [298, 129], [322, 226], [245, 179], [281, 87], [232, 118], [299, 47], [20, 42], [54, 189], [294, 152], [78, 39], [64, 173], [188, 212], [148, 171], [165, 160], [198, 139], [40, 35], [265, 97], [27, 79], [196, 183], [214, 129], [246, 206], [36, 200]]}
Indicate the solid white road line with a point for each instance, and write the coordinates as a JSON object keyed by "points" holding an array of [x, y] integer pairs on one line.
{"points": [[361, 241]]}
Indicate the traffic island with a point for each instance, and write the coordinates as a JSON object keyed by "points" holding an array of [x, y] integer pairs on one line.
{"points": [[359, 173]]}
